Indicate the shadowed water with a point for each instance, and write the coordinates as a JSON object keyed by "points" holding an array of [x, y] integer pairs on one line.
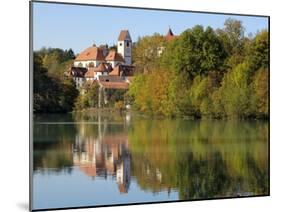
{"points": [[101, 159]]}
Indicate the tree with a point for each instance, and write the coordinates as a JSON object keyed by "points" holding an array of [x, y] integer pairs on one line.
{"points": [[260, 92], [159, 83], [232, 37], [44, 88], [200, 95], [56, 60], [89, 98], [146, 52], [70, 54], [115, 95], [235, 92], [69, 94], [235, 34], [204, 73], [195, 52], [139, 92], [93, 95], [51, 94], [258, 55]]}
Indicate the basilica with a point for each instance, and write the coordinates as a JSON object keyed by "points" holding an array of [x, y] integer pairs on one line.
{"points": [[109, 68]]}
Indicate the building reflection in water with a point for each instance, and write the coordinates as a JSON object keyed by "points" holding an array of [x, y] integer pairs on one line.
{"points": [[195, 159], [98, 154]]}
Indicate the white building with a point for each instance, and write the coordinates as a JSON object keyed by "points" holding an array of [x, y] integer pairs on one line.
{"points": [[90, 57], [93, 56], [99, 61], [102, 69]]}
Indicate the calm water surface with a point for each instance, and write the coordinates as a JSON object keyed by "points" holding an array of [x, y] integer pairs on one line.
{"points": [[101, 159]]}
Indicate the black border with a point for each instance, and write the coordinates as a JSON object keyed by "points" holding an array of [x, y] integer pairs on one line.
{"points": [[31, 103]]}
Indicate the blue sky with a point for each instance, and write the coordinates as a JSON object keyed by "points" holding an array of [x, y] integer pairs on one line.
{"points": [[78, 27]]}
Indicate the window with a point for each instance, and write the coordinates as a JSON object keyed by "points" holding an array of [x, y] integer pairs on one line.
{"points": [[128, 43], [120, 44]]}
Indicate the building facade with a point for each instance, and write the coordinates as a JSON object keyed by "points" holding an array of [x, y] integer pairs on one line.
{"points": [[100, 61]]}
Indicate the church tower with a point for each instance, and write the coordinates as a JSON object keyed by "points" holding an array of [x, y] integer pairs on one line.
{"points": [[124, 46]]}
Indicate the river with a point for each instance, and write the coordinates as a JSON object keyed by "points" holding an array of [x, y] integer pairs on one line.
{"points": [[100, 158]]}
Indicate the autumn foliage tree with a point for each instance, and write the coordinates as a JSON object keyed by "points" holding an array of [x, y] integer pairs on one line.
{"points": [[204, 72], [51, 94], [146, 52]]}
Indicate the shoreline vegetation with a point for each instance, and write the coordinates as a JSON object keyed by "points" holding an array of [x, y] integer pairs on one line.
{"points": [[111, 110], [202, 73]]}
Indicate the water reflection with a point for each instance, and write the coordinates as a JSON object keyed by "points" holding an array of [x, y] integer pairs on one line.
{"points": [[195, 159], [104, 156], [203, 159]]}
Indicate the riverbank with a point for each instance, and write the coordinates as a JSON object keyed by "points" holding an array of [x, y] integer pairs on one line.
{"points": [[160, 116], [115, 110]]}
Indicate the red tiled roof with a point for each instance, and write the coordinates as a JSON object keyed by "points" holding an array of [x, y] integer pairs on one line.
{"points": [[124, 70], [101, 68], [170, 35], [115, 71], [90, 73], [123, 35], [114, 56], [115, 85], [91, 53]]}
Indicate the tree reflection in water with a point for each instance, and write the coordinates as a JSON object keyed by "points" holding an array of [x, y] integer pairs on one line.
{"points": [[199, 159]]}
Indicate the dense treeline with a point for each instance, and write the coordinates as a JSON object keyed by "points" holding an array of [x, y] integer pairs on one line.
{"points": [[203, 72], [52, 92], [56, 60], [115, 98], [89, 99]]}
